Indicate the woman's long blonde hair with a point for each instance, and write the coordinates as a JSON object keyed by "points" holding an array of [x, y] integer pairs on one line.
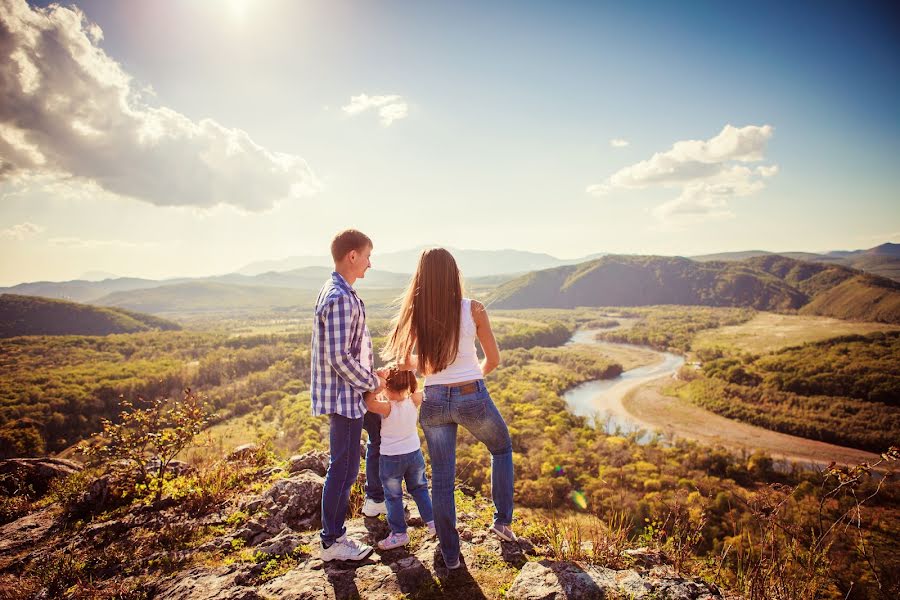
{"points": [[428, 321]]}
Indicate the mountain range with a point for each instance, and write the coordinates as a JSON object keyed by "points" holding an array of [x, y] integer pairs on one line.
{"points": [[512, 270]]}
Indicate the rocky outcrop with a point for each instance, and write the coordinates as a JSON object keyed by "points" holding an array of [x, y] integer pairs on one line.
{"points": [[276, 552], [32, 476], [549, 580], [291, 504]]}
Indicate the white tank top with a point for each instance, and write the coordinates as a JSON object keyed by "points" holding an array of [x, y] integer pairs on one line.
{"points": [[465, 367], [398, 430]]}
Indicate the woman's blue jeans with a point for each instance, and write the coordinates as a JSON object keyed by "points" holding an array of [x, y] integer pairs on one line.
{"points": [[394, 470], [442, 411]]}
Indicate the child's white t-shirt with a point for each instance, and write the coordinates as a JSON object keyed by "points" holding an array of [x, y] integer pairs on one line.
{"points": [[399, 434]]}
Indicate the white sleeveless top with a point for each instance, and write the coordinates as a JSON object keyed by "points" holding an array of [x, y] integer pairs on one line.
{"points": [[398, 430], [465, 367]]}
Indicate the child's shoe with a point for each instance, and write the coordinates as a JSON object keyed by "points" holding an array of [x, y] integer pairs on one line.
{"points": [[504, 532], [394, 540]]}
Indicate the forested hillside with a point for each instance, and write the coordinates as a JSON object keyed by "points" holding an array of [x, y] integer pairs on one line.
{"points": [[31, 315], [844, 390], [765, 283]]}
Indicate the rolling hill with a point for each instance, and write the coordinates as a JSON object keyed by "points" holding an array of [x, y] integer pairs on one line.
{"points": [[31, 315], [768, 282]]}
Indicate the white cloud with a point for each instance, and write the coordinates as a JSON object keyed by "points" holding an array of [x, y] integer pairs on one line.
{"points": [[75, 242], [618, 143], [708, 173], [21, 231], [67, 109], [390, 108]]}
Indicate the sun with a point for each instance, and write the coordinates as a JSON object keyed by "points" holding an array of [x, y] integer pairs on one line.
{"points": [[239, 8]]}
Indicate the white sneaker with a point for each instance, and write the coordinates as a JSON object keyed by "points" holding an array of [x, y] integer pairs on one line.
{"points": [[431, 530], [373, 509], [345, 548]]}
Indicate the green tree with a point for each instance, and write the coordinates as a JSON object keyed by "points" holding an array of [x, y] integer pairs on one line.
{"points": [[154, 434]]}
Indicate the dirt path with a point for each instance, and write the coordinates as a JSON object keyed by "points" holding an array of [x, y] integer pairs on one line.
{"points": [[650, 406]]}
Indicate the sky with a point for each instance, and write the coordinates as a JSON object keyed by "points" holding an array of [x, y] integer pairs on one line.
{"points": [[162, 138]]}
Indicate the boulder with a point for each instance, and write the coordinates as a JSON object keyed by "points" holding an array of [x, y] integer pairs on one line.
{"points": [[32, 476], [317, 462], [242, 452], [293, 503]]}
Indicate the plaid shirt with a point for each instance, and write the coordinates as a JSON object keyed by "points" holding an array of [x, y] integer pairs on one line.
{"points": [[338, 378]]}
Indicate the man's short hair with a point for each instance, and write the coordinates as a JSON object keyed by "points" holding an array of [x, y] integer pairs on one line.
{"points": [[347, 241]]}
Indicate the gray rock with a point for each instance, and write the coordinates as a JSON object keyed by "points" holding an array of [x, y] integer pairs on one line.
{"points": [[32, 476], [317, 462], [202, 583], [548, 580], [293, 503], [242, 452], [284, 543]]}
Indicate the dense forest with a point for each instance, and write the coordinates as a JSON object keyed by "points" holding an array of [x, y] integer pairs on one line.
{"points": [[845, 390], [58, 388]]}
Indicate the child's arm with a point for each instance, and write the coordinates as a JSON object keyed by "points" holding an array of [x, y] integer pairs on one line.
{"points": [[376, 405], [417, 398]]}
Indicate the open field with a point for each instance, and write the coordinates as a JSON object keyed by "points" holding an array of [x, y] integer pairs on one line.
{"points": [[768, 332]]}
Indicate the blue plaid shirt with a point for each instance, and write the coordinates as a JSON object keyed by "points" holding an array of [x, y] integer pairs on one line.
{"points": [[338, 378]]}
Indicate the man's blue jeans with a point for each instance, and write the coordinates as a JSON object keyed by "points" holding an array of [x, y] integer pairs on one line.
{"points": [[442, 411], [344, 437], [396, 469], [372, 425]]}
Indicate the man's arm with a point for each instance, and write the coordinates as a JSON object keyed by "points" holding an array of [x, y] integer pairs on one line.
{"points": [[337, 347]]}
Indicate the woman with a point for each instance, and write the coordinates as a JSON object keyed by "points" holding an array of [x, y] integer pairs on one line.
{"points": [[437, 322]]}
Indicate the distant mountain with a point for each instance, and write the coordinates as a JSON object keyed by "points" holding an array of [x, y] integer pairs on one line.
{"points": [[79, 290], [30, 315], [883, 260], [207, 296], [769, 282], [473, 263], [97, 276]]}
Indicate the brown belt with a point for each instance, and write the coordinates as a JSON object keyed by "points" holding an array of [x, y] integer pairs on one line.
{"points": [[465, 387]]}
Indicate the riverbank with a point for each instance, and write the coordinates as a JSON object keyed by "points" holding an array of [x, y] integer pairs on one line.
{"points": [[635, 400]]}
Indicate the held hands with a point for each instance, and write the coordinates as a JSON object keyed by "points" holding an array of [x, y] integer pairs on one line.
{"points": [[381, 383]]}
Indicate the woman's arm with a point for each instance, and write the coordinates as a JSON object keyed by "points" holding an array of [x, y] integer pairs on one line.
{"points": [[486, 337], [377, 406]]}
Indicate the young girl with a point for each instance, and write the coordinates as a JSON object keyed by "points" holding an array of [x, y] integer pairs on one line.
{"points": [[401, 454]]}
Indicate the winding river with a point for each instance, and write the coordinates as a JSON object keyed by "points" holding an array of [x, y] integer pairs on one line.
{"points": [[633, 401]]}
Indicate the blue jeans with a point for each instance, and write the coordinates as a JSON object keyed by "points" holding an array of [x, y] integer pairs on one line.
{"points": [[442, 411], [343, 437], [372, 425], [394, 469]]}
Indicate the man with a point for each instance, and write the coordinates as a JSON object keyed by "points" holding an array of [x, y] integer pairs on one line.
{"points": [[342, 371]]}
